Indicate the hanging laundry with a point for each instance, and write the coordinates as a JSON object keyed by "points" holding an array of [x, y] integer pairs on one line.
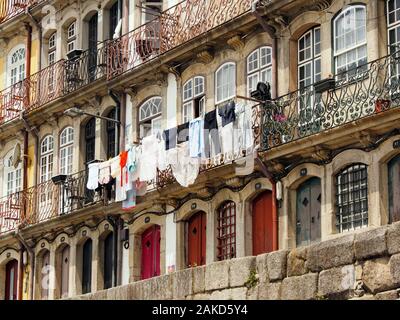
{"points": [[131, 164], [104, 172], [130, 201], [141, 188], [93, 176], [185, 169], [170, 138], [161, 155], [123, 160], [196, 138], [243, 140], [115, 167], [183, 132], [149, 158], [120, 192], [227, 114], [212, 145]]}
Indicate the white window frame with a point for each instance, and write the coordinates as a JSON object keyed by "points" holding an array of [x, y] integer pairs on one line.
{"points": [[393, 26], [346, 50], [12, 176], [46, 158], [52, 48], [259, 69], [153, 114], [144, 4], [16, 69], [230, 84], [71, 37], [66, 152], [190, 94]]}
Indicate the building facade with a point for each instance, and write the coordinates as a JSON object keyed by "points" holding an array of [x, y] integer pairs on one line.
{"points": [[325, 154]]}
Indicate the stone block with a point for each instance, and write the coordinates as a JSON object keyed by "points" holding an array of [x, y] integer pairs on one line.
{"points": [[276, 263], [296, 262], [157, 288], [332, 253], [252, 293], [387, 295], [300, 287], [377, 276], [394, 264], [221, 295], [118, 293], [239, 293], [269, 291], [393, 238], [337, 282], [240, 269], [217, 275], [262, 267], [201, 296], [370, 243], [182, 283], [198, 279]]}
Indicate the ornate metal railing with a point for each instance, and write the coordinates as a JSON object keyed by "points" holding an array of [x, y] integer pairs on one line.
{"points": [[12, 8], [357, 93], [174, 27], [48, 200]]}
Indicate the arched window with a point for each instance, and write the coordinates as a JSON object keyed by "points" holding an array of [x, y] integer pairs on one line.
{"points": [[352, 197], [90, 139], [16, 65], [52, 49], [309, 58], [71, 37], [12, 175], [350, 40], [259, 67], [150, 116], [87, 266], [46, 158], [193, 99], [226, 231], [66, 150], [112, 137], [225, 82]]}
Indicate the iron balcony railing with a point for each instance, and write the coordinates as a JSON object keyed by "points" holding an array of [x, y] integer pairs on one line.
{"points": [[49, 199], [172, 28], [348, 96], [12, 8]]}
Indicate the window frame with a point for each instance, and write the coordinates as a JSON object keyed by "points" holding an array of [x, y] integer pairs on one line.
{"points": [[14, 173], [230, 96], [152, 117], [71, 39], [225, 240], [20, 63], [260, 68], [48, 156], [68, 146], [190, 101]]}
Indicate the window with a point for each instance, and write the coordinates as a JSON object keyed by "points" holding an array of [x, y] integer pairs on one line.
{"points": [[226, 231], [150, 9], [352, 198], [193, 99], [113, 19], [87, 267], [90, 139], [309, 58], [150, 117], [393, 22], [71, 37], [394, 189], [52, 49], [112, 138], [350, 41], [66, 150], [225, 82], [16, 62], [259, 68], [12, 175], [46, 159]]}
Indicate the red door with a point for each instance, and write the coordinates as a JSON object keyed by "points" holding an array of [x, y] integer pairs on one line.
{"points": [[197, 239], [151, 252], [262, 223], [11, 280]]}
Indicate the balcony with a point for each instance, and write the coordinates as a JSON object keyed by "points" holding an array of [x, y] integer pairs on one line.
{"points": [[49, 200], [12, 8]]}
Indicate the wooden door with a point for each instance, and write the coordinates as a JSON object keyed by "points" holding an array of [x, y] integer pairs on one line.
{"points": [[108, 260], [197, 239], [394, 189], [308, 212], [11, 280], [87, 267], [150, 266], [45, 274], [64, 272], [262, 223]]}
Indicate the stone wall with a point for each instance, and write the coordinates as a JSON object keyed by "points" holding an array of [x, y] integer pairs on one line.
{"points": [[363, 265]]}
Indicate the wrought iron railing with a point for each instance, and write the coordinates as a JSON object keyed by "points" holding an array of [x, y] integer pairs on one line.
{"points": [[357, 93], [48, 200], [174, 27], [12, 8]]}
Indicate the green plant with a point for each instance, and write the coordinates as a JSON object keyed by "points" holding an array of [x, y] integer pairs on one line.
{"points": [[252, 280]]}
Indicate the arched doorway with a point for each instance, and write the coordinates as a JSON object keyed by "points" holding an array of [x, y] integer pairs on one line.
{"points": [[150, 264], [308, 212], [394, 189], [108, 262], [262, 223], [196, 236], [87, 267], [11, 287]]}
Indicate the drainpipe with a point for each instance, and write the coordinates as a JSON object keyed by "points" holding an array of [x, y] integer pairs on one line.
{"points": [[271, 32], [275, 226], [21, 268]]}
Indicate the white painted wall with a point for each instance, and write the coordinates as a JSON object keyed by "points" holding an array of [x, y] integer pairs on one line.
{"points": [[170, 242], [171, 101]]}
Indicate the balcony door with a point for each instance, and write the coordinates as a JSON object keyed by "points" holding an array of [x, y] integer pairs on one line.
{"points": [[87, 267], [150, 266], [92, 46], [262, 223], [11, 280], [197, 239], [308, 212], [108, 260]]}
